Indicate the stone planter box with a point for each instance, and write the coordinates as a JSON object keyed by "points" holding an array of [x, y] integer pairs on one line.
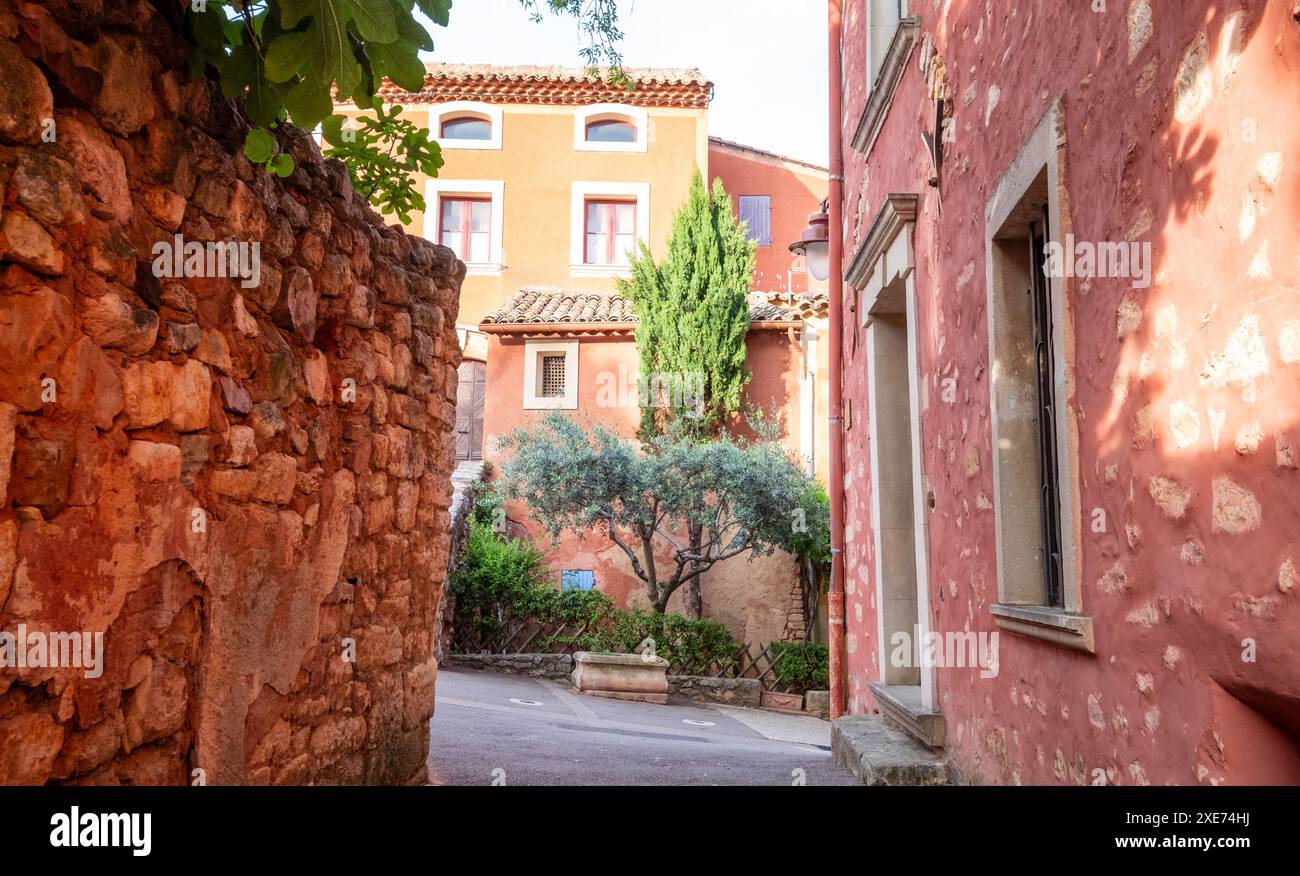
{"points": [[621, 676], [818, 702], [782, 702]]}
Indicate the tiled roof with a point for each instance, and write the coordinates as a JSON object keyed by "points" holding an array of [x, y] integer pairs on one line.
{"points": [[553, 85], [808, 305], [534, 306]]}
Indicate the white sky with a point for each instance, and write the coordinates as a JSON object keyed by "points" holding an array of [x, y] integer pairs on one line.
{"points": [[766, 60]]}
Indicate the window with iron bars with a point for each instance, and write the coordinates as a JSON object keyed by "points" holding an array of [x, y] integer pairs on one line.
{"points": [[1045, 415], [553, 376]]}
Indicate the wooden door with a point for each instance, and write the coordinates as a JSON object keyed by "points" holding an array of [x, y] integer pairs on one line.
{"points": [[471, 393]]}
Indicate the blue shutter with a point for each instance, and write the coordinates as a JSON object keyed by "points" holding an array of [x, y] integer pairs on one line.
{"points": [[757, 211], [577, 579]]}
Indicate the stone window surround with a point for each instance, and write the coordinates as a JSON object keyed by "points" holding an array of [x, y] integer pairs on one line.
{"points": [[490, 112], [533, 352], [637, 117], [580, 193], [488, 188], [882, 90], [884, 269], [1019, 608]]}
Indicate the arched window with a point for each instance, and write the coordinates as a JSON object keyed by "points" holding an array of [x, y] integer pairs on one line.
{"points": [[611, 131], [610, 127], [466, 124], [466, 128]]}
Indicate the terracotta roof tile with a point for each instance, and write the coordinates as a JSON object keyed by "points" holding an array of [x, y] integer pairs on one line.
{"points": [[536, 306], [553, 85], [806, 304]]}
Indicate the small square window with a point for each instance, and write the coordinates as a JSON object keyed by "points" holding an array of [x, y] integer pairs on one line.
{"points": [[553, 375], [577, 579], [550, 375]]}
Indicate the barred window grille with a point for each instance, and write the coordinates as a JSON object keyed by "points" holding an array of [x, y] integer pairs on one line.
{"points": [[553, 376]]}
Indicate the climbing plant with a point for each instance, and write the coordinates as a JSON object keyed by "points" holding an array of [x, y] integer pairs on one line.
{"points": [[285, 61]]}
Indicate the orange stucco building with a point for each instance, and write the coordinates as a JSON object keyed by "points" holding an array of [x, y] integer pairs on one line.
{"points": [[551, 177]]}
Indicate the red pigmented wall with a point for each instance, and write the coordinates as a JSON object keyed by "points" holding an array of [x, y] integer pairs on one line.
{"points": [[797, 191], [1187, 390]]}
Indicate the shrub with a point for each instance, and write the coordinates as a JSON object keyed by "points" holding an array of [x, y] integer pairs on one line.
{"points": [[501, 577], [494, 571], [487, 502], [677, 639], [802, 667]]}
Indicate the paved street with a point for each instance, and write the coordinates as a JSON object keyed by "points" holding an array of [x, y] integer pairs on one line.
{"points": [[488, 727]]}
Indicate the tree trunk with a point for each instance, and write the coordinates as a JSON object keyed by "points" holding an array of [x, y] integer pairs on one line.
{"points": [[694, 600]]}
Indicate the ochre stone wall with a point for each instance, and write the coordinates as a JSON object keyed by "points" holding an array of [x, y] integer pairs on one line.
{"points": [[183, 464]]}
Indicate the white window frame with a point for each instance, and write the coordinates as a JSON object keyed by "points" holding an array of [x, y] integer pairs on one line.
{"points": [[482, 188], [491, 112], [599, 112], [875, 8], [581, 192], [883, 82], [1015, 610], [533, 352]]}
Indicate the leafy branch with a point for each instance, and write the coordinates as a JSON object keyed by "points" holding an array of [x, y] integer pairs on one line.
{"points": [[287, 61]]}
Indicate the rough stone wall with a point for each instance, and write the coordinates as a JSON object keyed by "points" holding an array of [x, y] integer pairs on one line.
{"points": [[183, 465], [746, 692], [1186, 393], [553, 666]]}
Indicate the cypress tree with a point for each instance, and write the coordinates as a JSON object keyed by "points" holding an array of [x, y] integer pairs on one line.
{"points": [[693, 314]]}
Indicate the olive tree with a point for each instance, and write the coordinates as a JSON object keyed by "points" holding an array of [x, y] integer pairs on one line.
{"points": [[676, 507]]}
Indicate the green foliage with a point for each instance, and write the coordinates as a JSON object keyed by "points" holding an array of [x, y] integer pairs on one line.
{"points": [[494, 570], [700, 502], [598, 22], [802, 667], [375, 148], [676, 639], [285, 60], [487, 502], [810, 539], [500, 577], [693, 310]]}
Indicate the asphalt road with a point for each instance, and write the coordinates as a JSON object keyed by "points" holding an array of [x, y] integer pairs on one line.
{"points": [[490, 728]]}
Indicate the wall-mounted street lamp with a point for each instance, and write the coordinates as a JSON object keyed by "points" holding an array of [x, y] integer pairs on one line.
{"points": [[814, 245]]}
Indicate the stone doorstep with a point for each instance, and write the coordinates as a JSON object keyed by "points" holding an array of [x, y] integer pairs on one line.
{"points": [[878, 753], [901, 703]]}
